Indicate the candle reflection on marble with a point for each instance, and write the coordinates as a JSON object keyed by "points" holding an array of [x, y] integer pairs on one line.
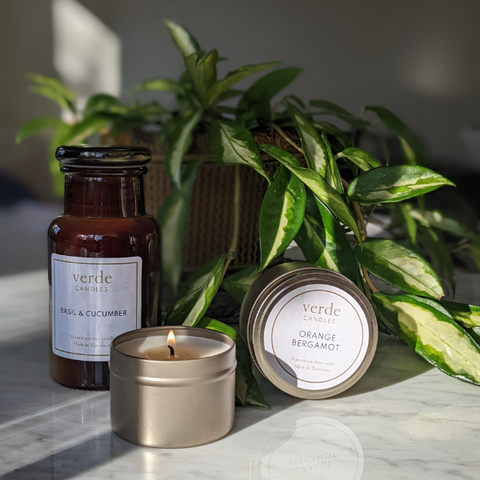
{"points": [[316, 447]]}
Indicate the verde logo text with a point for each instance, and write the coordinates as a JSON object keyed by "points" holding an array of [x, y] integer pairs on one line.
{"points": [[92, 283]]}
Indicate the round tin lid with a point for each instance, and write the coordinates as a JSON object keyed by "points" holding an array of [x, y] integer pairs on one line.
{"points": [[311, 331]]}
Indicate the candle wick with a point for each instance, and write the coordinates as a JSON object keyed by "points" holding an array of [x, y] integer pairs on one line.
{"points": [[172, 351]]}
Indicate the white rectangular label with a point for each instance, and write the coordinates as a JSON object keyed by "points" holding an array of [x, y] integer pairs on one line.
{"points": [[93, 301]]}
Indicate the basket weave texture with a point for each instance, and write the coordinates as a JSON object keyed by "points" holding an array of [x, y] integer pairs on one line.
{"points": [[211, 223]]}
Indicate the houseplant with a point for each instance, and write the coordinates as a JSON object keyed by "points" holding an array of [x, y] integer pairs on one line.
{"points": [[322, 195]]}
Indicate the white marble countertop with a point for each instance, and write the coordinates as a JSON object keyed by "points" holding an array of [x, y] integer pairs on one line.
{"points": [[402, 420]]}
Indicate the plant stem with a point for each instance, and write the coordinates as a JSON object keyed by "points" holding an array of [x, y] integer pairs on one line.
{"points": [[381, 138], [232, 252], [353, 240], [369, 282], [361, 220], [286, 137], [369, 217], [363, 228], [230, 256], [459, 249], [421, 203], [376, 221], [384, 147], [236, 209], [363, 235]]}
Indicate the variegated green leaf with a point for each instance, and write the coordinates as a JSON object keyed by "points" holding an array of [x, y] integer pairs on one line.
{"points": [[474, 248], [232, 143], [246, 386], [410, 223], [72, 135], [258, 110], [323, 241], [474, 332], [234, 77], [394, 327], [35, 126], [103, 103], [224, 109], [196, 77], [281, 215], [329, 108], [197, 294], [386, 321], [182, 38], [324, 192], [61, 136], [436, 219], [411, 144], [149, 110], [203, 72], [333, 175], [173, 217], [328, 128], [433, 335], [237, 285], [266, 87], [294, 98], [89, 126], [436, 304], [179, 141], [55, 85], [439, 255], [160, 84], [363, 160], [52, 94], [393, 184], [467, 315], [127, 118], [228, 94], [399, 266], [313, 147]]}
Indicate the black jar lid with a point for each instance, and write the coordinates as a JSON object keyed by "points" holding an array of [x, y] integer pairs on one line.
{"points": [[102, 156]]}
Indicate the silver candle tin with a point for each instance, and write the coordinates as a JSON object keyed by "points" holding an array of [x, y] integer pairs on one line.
{"points": [[310, 331], [172, 404]]}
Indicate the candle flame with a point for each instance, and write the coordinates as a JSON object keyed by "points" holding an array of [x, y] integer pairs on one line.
{"points": [[171, 338]]}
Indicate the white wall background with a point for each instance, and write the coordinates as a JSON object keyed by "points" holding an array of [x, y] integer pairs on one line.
{"points": [[418, 58]]}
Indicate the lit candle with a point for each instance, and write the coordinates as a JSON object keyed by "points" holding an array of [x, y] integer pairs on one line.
{"points": [[159, 347], [171, 351], [174, 390]]}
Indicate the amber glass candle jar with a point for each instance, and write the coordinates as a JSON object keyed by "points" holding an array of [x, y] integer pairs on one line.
{"points": [[104, 262]]}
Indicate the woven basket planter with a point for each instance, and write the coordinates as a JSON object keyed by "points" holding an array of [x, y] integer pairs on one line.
{"points": [[211, 224]]}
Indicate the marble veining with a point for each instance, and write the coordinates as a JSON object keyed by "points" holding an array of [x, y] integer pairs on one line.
{"points": [[402, 420]]}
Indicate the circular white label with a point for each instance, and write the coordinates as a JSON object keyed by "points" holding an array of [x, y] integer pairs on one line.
{"points": [[316, 337]]}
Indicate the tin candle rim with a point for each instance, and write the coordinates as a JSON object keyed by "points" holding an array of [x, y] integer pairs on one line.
{"points": [[262, 298], [153, 332]]}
